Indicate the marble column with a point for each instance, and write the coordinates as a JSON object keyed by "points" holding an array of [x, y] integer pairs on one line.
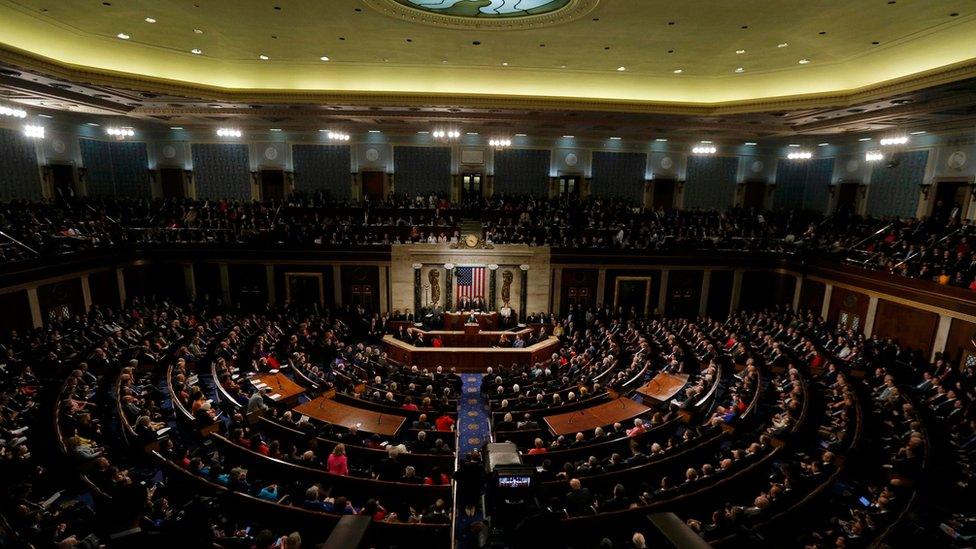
{"points": [[662, 293], [706, 286], [796, 291], [736, 290], [383, 289], [825, 308], [941, 335], [190, 281], [120, 281], [492, 287], [417, 289], [225, 284], [601, 287], [524, 293], [557, 295], [337, 285], [869, 318], [37, 318], [269, 279], [86, 293]]}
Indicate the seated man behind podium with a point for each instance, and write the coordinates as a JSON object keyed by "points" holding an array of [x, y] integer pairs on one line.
{"points": [[472, 319], [478, 303], [464, 303]]}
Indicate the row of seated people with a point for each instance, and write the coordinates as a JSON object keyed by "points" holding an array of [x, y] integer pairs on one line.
{"points": [[935, 248]]}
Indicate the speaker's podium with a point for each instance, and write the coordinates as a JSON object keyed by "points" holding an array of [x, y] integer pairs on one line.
{"points": [[512, 487], [471, 328]]}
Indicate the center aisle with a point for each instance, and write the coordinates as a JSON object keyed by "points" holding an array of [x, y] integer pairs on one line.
{"points": [[473, 415]]}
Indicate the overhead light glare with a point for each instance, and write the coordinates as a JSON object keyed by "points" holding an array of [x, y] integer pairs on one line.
{"points": [[569, 137], [707, 149], [196, 51], [324, 58], [34, 132], [228, 132], [661, 140], [338, 136], [782, 45], [274, 130], [375, 131], [263, 57], [919, 132], [891, 141], [502, 142], [740, 69], [750, 144], [13, 112], [800, 155], [873, 156], [803, 61], [740, 51], [823, 144], [678, 71], [615, 138], [123, 36], [520, 135], [150, 20], [621, 68], [121, 133], [176, 127]]}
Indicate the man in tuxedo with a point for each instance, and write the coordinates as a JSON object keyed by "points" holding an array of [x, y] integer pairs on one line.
{"points": [[464, 303], [478, 304]]}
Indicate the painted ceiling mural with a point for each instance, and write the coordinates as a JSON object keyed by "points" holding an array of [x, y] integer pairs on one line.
{"points": [[487, 8]]}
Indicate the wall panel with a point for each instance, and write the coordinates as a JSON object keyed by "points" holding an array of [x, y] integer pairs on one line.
{"points": [[422, 170], [221, 170], [618, 175], [894, 189], [19, 177], [710, 182], [323, 168], [522, 171], [910, 327]]}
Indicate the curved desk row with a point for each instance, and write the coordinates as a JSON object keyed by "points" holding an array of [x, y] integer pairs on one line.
{"points": [[468, 359]]}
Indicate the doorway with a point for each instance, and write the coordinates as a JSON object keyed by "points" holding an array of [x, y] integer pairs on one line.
{"points": [[471, 186], [63, 181], [951, 200], [847, 198], [632, 292], [569, 185], [272, 185], [754, 195], [663, 194], [171, 180], [304, 288], [373, 185]]}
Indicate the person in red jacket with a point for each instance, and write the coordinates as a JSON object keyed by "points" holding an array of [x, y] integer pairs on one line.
{"points": [[444, 423]]}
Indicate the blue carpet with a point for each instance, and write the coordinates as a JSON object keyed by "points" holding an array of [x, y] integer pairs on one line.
{"points": [[473, 417]]}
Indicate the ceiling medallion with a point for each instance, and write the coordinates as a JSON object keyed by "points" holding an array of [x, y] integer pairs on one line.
{"points": [[485, 14]]}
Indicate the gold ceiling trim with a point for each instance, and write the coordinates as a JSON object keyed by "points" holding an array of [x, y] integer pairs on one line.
{"points": [[575, 9], [99, 77]]}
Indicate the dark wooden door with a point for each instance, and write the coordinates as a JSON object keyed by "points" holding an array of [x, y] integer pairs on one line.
{"points": [[171, 180], [63, 177], [272, 184], [569, 185], [847, 198], [755, 195], [663, 194], [373, 185], [949, 199], [471, 186]]}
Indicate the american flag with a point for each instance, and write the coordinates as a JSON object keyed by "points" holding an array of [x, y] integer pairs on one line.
{"points": [[470, 282]]}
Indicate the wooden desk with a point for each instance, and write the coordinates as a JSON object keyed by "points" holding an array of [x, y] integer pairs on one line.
{"points": [[662, 387], [337, 413], [470, 359], [456, 321], [587, 419], [281, 385]]}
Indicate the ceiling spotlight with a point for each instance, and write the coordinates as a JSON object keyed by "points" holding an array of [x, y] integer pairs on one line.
{"points": [[800, 155], [793, 145], [920, 132], [94, 124], [42, 115], [120, 133], [197, 31], [568, 136], [823, 144], [750, 144], [520, 135], [661, 140], [10, 111], [123, 36], [324, 58], [873, 156], [803, 61], [705, 149], [338, 136], [176, 127], [150, 20], [504, 63], [615, 138], [678, 71], [35, 132], [196, 51], [375, 131], [263, 57], [864, 139], [782, 45], [740, 51], [275, 129], [739, 69], [228, 132], [621, 68], [889, 141], [500, 142]]}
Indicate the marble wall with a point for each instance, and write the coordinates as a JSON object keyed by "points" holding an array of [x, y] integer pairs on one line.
{"points": [[508, 258]]}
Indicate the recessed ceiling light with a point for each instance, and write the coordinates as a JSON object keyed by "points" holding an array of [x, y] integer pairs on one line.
{"points": [[568, 137], [562, 66], [196, 51], [471, 133], [324, 58], [739, 69], [740, 51], [92, 124], [122, 35], [706, 142], [803, 61], [678, 71], [176, 127], [375, 131], [520, 135], [782, 45], [198, 31], [263, 57], [504, 63], [823, 144], [615, 138], [443, 61], [621, 68], [661, 140], [750, 144], [323, 130], [150, 20], [422, 131], [794, 144], [865, 139], [49, 116], [275, 129], [920, 132]]}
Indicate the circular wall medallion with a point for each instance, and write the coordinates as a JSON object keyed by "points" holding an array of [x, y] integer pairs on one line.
{"points": [[667, 163], [372, 155], [572, 159], [271, 153], [956, 160], [757, 166], [169, 151], [58, 146], [852, 166], [485, 14]]}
